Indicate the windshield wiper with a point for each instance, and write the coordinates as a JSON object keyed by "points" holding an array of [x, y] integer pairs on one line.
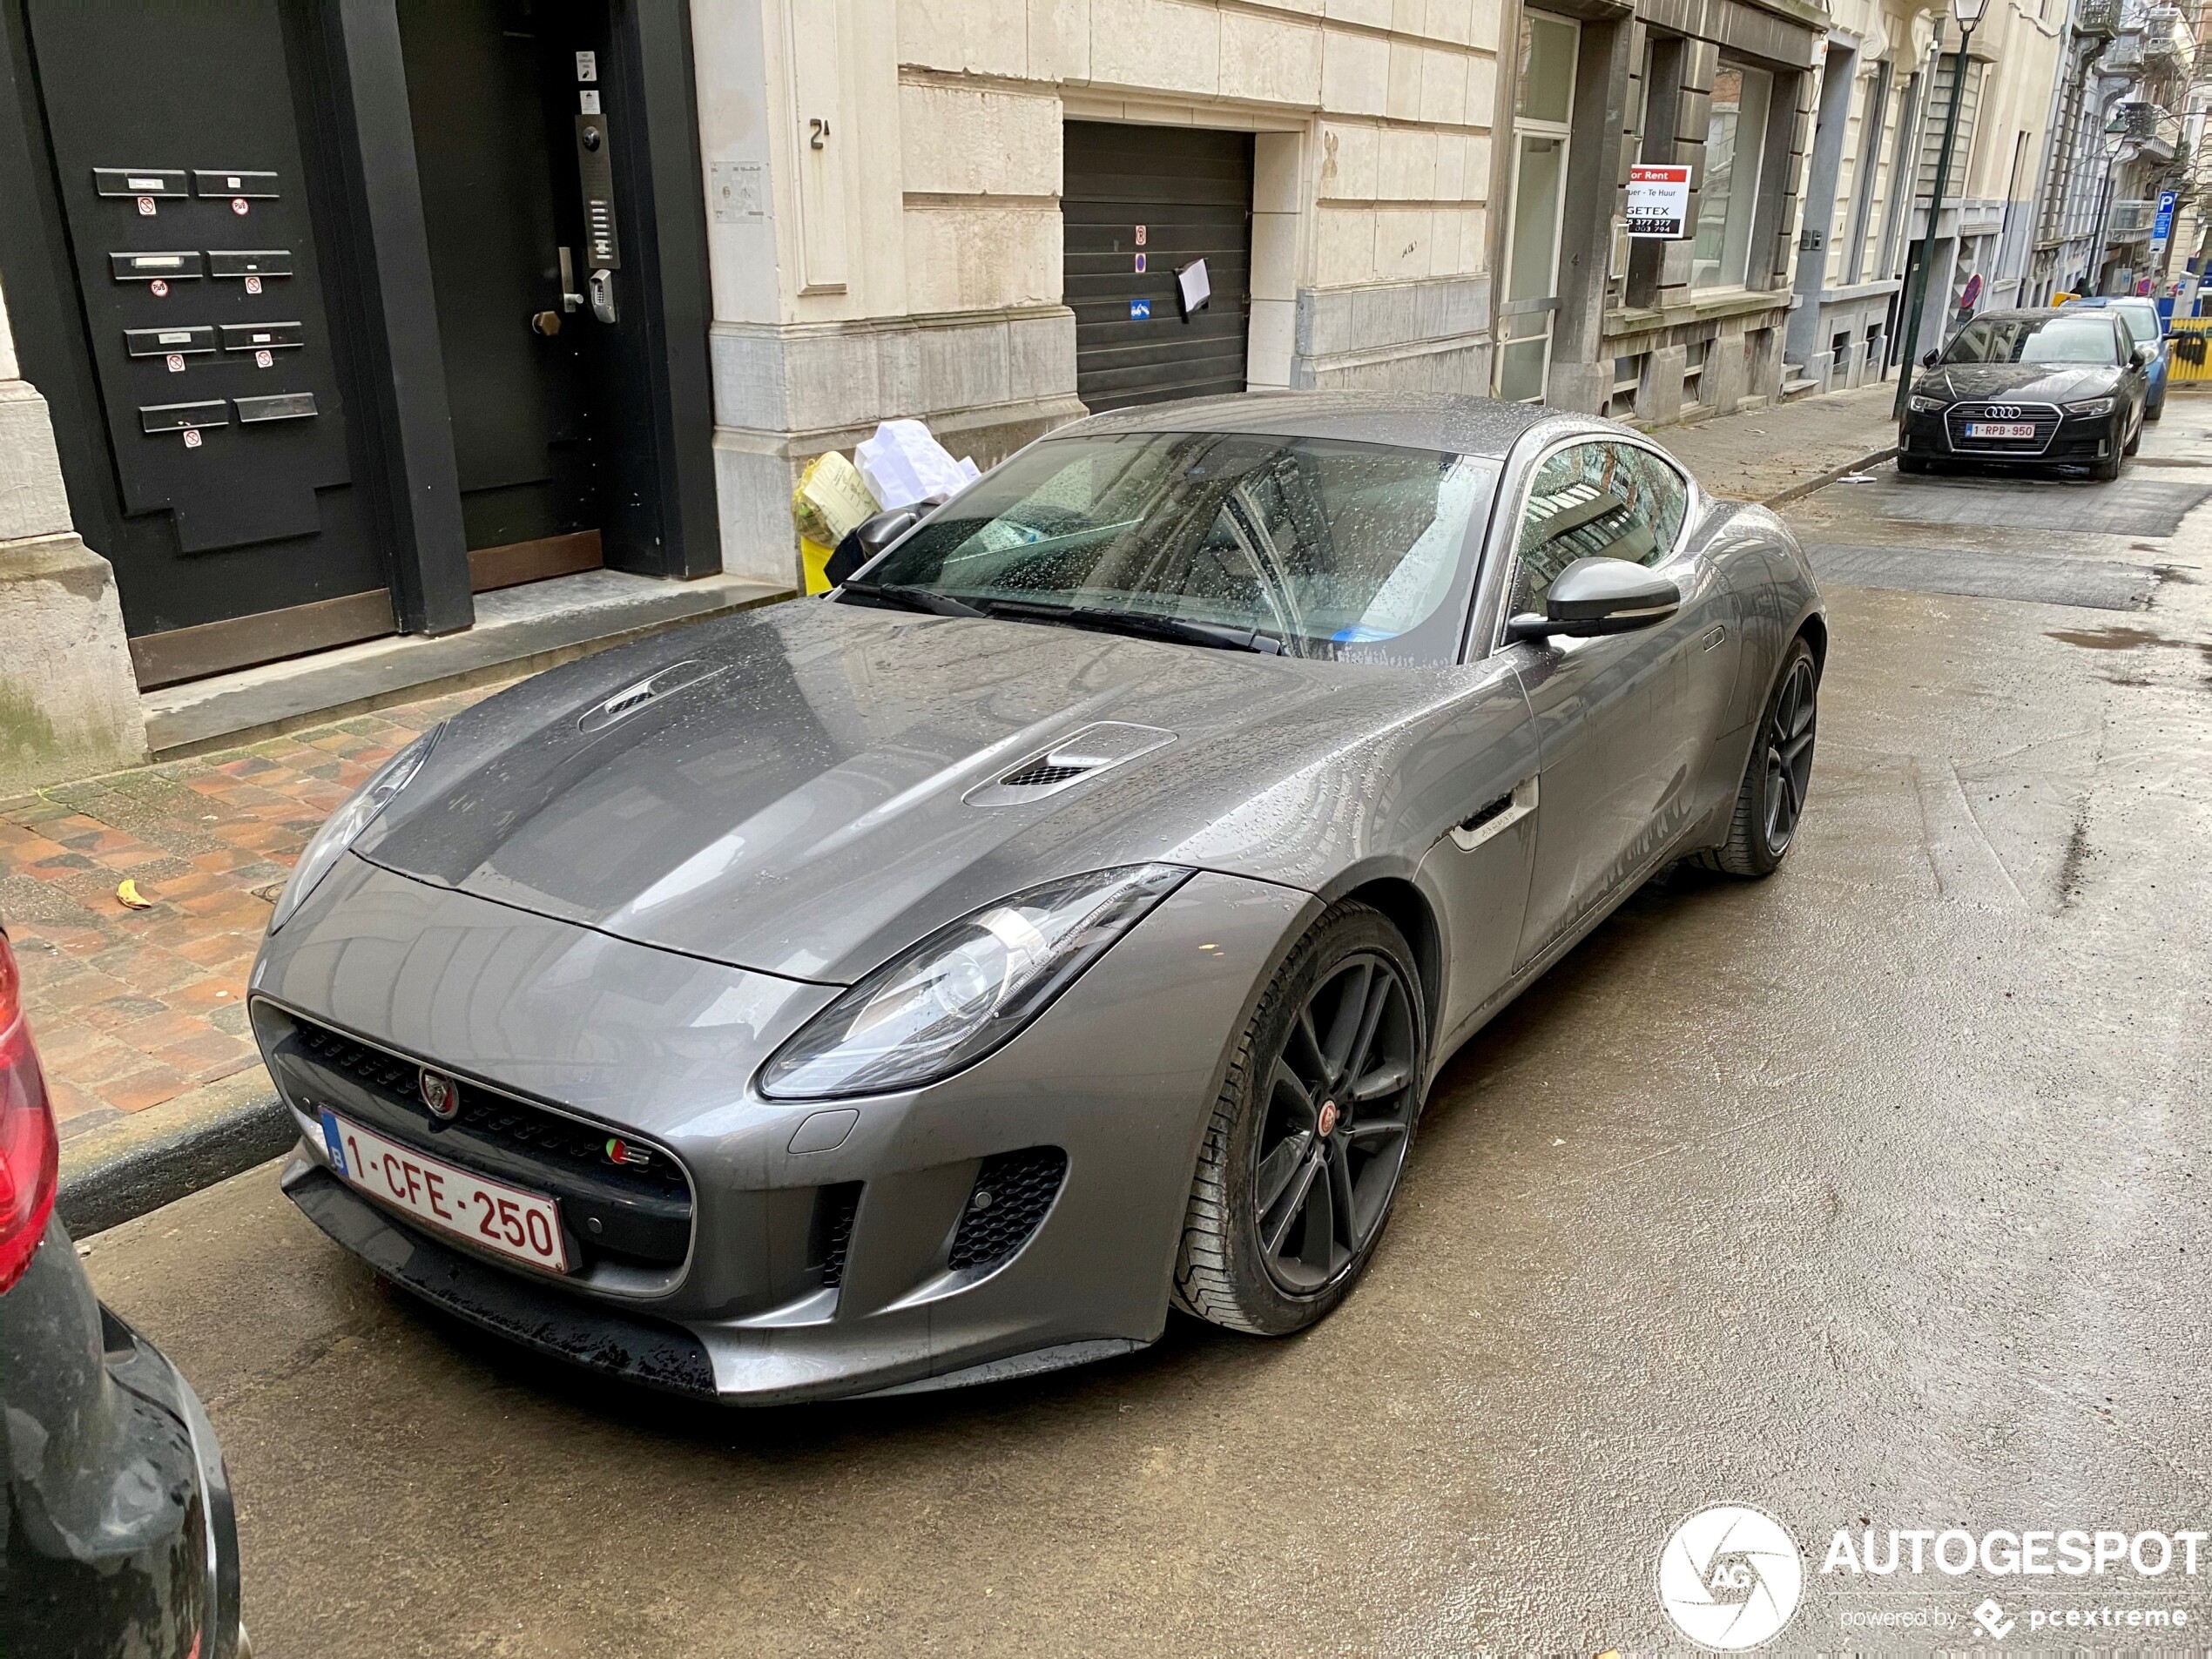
{"points": [[1218, 634], [892, 593]]}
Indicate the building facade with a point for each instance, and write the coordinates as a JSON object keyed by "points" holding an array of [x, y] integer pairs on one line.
{"points": [[349, 313], [973, 211]]}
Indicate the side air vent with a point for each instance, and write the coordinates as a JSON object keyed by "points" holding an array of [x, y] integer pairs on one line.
{"points": [[1011, 1194], [1078, 756], [834, 1208]]}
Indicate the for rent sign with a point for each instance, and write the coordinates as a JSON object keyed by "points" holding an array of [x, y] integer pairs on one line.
{"points": [[1659, 201]]}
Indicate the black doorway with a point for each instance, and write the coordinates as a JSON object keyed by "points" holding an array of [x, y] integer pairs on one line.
{"points": [[491, 87]]}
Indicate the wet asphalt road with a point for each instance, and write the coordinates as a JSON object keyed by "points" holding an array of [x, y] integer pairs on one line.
{"points": [[1874, 1190]]}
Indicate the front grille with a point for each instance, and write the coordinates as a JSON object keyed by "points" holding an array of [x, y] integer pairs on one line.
{"points": [[1011, 1194], [1038, 773], [530, 1131], [639, 1210], [2043, 416]]}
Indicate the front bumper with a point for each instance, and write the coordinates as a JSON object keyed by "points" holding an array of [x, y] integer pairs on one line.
{"points": [[2080, 441], [851, 1269]]}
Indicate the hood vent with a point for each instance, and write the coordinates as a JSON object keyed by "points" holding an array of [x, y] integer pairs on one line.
{"points": [[1079, 755], [646, 691]]}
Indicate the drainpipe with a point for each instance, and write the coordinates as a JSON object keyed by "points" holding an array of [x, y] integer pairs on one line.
{"points": [[1969, 12]]}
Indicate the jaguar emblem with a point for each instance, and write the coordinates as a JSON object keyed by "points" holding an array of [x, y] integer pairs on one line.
{"points": [[441, 1095]]}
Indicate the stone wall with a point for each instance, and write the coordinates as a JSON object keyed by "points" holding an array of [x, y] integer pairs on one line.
{"points": [[69, 706]]}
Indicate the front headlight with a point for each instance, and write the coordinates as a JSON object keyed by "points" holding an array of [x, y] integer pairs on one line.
{"points": [[1920, 405], [2090, 406], [966, 989], [340, 829]]}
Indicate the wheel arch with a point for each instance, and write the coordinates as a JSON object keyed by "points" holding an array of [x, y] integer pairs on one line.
{"points": [[1814, 631], [1408, 910]]}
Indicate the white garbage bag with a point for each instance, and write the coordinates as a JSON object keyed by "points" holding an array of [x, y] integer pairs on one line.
{"points": [[902, 464]]}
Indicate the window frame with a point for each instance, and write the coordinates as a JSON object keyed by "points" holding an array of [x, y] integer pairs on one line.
{"points": [[1502, 549], [1741, 192]]}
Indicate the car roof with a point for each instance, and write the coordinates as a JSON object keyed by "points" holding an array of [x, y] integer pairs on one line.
{"points": [[2099, 300], [1470, 426]]}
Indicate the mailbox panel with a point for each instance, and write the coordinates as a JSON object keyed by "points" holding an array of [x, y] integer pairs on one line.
{"points": [[239, 465]]}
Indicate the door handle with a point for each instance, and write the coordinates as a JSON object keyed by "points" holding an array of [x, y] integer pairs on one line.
{"points": [[571, 300], [1496, 818]]}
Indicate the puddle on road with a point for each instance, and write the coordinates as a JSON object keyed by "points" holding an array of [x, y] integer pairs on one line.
{"points": [[2117, 637]]}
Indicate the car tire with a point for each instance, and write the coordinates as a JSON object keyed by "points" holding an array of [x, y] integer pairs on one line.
{"points": [[2135, 442], [2154, 411], [1769, 809], [2106, 470], [1270, 1142]]}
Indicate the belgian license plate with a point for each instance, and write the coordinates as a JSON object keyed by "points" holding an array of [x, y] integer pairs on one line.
{"points": [[2000, 428], [490, 1214]]}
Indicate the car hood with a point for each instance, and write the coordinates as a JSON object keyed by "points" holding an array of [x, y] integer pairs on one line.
{"points": [[2030, 382], [824, 790]]}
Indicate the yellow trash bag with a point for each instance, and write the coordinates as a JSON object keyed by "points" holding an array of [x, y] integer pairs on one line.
{"points": [[831, 500], [814, 558]]}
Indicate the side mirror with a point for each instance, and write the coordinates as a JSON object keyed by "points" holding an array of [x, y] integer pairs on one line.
{"points": [[1929, 359], [878, 533], [1599, 596]]}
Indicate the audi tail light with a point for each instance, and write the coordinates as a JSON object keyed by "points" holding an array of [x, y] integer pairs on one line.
{"points": [[29, 1152]]}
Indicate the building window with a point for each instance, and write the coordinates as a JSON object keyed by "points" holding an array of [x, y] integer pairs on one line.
{"points": [[1735, 146]]}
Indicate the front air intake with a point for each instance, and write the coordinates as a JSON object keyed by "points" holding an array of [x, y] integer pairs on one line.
{"points": [[1013, 1190]]}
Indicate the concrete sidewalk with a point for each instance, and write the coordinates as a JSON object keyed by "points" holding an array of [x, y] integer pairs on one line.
{"points": [[139, 1013], [1777, 455]]}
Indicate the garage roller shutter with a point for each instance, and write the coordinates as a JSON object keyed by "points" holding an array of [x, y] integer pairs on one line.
{"points": [[1191, 191]]}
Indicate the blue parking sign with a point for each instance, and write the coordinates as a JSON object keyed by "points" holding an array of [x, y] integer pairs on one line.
{"points": [[1140, 311], [2163, 227]]}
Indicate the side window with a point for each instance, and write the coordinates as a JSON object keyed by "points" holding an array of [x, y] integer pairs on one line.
{"points": [[1594, 501], [1670, 500]]}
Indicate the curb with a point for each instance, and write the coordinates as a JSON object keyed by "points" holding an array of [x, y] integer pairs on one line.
{"points": [[1797, 491], [224, 1127], [169, 1151]]}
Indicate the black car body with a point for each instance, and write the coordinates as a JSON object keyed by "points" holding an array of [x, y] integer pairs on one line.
{"points": [[118, 1534], [2040, 387]]}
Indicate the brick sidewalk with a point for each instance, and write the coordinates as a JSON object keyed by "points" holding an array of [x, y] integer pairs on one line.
{"points": [[132, 1007]]}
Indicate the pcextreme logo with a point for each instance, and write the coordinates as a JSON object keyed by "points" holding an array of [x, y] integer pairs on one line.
{"points": [[1730, 1578]]}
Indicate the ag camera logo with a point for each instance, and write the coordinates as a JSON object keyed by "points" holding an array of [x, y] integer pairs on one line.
{"points": [[1730, 1578]]}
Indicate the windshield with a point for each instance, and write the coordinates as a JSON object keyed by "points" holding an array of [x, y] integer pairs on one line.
{"points": [[2085, 337], [2142, 318], [1359, 551]]}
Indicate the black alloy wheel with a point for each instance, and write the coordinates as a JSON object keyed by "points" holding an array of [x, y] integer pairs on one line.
{"points": [[1771, 802], [1789, 734], [1308, 1139], [1339, 1113]]}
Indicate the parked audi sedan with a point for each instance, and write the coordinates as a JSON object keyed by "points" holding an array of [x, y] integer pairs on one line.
{"points": [[2039, 388], [1062, 921], [2144, 327], [120, 1537]]}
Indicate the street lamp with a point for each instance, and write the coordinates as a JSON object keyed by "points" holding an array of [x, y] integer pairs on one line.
{"points": [[1968, 12]]}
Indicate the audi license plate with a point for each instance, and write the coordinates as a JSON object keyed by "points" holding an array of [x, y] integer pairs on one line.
{"points": [[2000, 428], [491, 1214]]}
